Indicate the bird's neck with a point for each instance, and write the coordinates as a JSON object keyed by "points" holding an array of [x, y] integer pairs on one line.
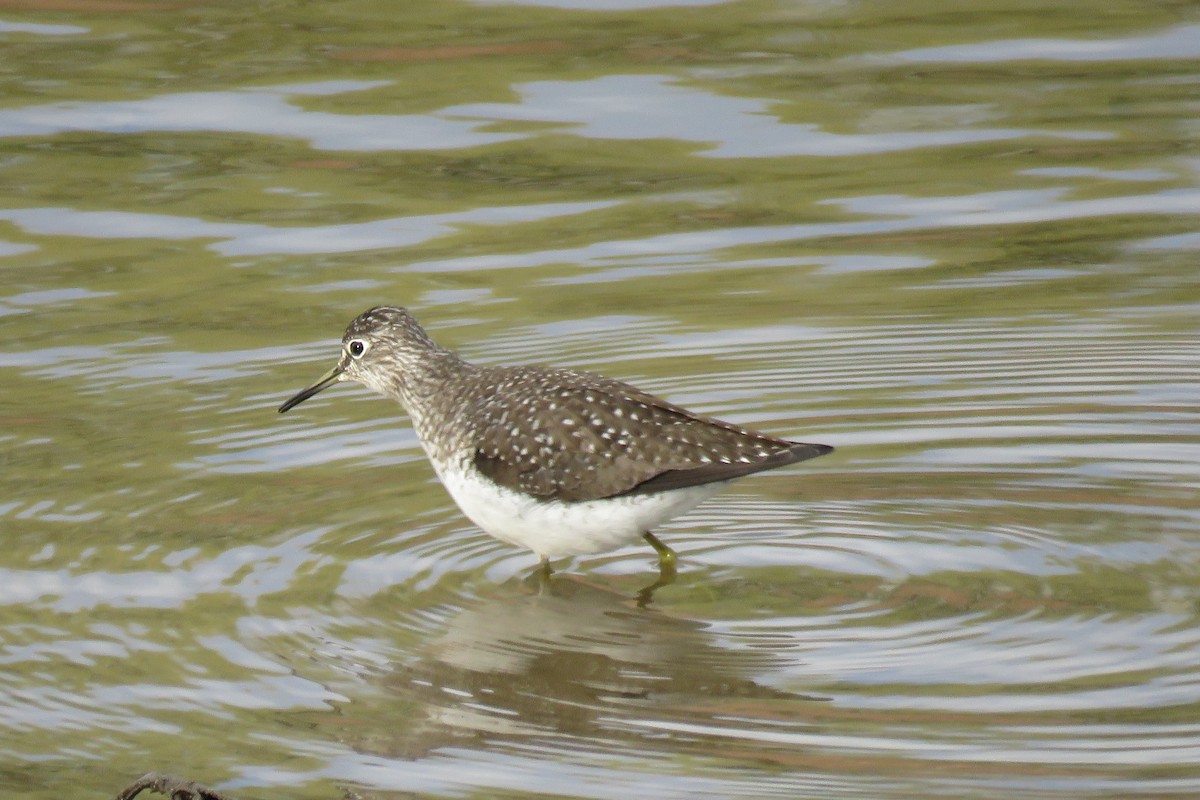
{"points": [[434, 394], [429, 385]]}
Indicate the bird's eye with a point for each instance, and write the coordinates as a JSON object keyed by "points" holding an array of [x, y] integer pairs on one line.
{"points": [[356, 347]]}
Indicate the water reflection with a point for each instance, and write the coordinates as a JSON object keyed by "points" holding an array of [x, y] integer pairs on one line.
{"points": [[264, 111], [1182, 41], [246, 239], [659, 107], [558, 656], [609, 107], [886, 214], [173, 581], [40, 29]]}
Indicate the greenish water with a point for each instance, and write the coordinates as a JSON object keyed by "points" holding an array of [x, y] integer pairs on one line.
{"points": [[959, 244]]}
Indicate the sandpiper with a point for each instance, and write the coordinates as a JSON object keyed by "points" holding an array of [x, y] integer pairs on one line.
{"points": [[562, 462]]}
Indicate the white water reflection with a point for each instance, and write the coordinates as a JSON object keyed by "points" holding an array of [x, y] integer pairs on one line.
{"points": [[247, 239], [1077, 653], [145, 361], [381, 443], [660, 107], [891, 213], [1180, 42], [888, 214], [249, 571], [264, 111], [608, 107], [40, 29], [1182, 241], [14, 249]]}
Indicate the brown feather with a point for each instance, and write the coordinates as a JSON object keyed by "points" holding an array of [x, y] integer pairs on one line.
{"points": [[572, 436]]}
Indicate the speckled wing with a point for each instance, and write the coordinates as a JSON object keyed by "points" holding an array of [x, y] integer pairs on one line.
{"points": [[571, 436]]}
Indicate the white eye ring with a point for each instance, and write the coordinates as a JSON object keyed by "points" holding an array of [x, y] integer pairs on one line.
{"points": [[356, 348]]}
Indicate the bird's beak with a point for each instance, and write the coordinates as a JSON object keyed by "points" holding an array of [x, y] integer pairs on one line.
{"points": [[327, 380]]}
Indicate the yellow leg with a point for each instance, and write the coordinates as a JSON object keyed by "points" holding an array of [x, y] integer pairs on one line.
{"points": [[666, 569], [666, 556]]}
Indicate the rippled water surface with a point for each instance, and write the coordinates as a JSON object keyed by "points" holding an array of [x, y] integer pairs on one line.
{"points": [[959, 244]]}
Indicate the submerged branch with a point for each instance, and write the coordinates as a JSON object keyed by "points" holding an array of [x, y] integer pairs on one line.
{"points": [[172, 787]]}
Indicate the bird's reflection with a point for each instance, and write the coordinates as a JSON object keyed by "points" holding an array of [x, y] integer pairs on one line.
{"points": [[555, 654]]}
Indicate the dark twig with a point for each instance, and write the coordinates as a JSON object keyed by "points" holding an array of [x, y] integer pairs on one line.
{"points": [[172, 787]]}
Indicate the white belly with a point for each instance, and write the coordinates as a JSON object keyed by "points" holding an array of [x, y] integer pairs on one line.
{"points": [[554, 529]]}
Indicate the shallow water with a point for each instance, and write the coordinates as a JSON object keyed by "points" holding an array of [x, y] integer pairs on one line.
{"points": [[958, 245]]}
